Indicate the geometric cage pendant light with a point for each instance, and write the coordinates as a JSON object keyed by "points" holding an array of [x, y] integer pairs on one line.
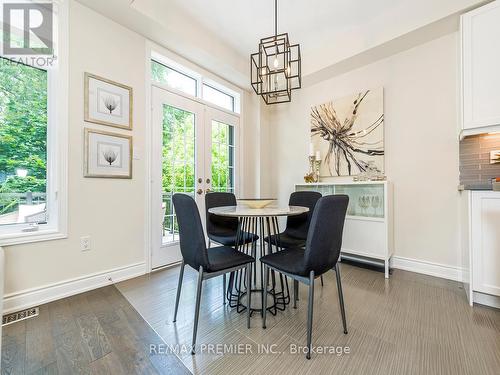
{"points": [[275, 70]]}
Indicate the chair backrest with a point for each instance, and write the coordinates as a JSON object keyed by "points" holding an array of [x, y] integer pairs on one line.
{"points": [[298, 226], [192, 239], [324, 239], [215, 223]]}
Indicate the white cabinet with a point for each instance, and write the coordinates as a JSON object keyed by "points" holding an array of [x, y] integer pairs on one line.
{"points": [[482, 234], [485, 226], [480, 31], [368, 232]]}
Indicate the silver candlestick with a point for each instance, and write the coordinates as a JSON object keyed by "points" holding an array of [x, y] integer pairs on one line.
{"points": [[317, 165]]}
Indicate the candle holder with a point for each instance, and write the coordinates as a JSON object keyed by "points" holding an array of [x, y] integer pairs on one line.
{"points": [[314, 165], [317, 165]]}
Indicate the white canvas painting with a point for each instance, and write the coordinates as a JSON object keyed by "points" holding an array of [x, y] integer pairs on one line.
{"points": [[349, 133], [107, 155]]}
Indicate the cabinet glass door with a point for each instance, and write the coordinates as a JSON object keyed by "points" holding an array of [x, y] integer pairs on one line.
{"points": [[365, 200]]}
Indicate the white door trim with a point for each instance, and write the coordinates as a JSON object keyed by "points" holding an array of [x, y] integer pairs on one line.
{"points": [[150, 49]]}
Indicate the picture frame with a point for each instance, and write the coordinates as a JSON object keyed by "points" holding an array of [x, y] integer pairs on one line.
{"points": [[107, 154], [107, 102]]}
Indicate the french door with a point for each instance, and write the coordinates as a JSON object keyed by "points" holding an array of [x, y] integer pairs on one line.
{"points": [[194, 151]]}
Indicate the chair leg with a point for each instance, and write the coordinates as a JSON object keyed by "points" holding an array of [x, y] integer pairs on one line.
{"points": [[209, 243], [249, 293], [341, 297], [197, 307], [295, 293], [310, 314], [179, 286], [264, 298], [224, 289], [321, 277]]}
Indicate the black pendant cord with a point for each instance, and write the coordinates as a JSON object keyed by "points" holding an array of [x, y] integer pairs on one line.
{"points": [[276, 28], [275, 17]]}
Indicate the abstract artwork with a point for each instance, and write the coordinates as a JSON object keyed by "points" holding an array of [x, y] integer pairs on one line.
{"points": [[107, 155], [107, 102], [349, 133]]}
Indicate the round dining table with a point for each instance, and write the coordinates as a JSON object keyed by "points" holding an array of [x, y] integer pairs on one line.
{"points": [[264, 223]]}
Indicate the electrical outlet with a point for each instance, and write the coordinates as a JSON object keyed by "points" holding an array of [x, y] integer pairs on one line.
{"points": [[85, 243]]}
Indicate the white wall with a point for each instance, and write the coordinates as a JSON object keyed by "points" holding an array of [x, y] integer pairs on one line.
{"points": [[421, 143], [111, 211]]}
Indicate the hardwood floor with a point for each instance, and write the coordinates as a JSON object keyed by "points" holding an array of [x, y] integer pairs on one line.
{"points": [[97, 332], [409, 324]]}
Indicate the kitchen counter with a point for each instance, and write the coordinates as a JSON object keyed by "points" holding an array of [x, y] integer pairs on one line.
{"points": [[486, 187]]}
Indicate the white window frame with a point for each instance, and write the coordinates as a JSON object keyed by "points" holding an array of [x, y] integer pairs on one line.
{"points": [[57, 144], [201, 80], [223, 89]]}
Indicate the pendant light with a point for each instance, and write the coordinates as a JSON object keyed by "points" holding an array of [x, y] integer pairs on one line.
{"points": [[275, 69]]}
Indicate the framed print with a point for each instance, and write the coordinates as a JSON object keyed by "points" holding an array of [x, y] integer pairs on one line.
{"points": [[107, 102], [107, 155]]}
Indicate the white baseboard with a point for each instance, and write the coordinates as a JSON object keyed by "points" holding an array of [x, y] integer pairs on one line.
{"points": [[487, 300], [427, 268], [37, 296]]}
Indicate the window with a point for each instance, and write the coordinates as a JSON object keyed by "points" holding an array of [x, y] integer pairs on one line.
{"points": [[222, 157], [23, 144], [176, 76], [171, 77], [33, 141], [178, 163], [217, 97]]}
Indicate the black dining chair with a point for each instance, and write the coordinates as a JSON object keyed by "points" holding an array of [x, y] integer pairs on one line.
{"points": [[218, 261], [324, 241], [223, 230], [295, 233]]}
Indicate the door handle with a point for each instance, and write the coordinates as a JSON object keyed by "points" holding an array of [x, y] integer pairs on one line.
{"points": [[199, 191]]}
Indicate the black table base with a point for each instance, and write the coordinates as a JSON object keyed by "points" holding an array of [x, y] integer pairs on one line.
{"points": [[237, 288]]}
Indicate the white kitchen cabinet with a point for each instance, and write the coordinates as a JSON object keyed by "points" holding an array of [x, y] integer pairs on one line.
{"points": [[368, 228], [480, 33], [481, 244]]}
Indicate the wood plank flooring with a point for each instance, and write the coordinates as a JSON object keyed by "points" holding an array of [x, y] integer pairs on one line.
{"points": [[409, 324], [97, 332]]}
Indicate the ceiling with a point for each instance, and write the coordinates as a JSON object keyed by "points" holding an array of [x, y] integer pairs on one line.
{"points": [[327, 30], [242, 23], [220, 35]]}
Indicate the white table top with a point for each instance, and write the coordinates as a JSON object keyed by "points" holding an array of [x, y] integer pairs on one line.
{"points": [[244, 211]]}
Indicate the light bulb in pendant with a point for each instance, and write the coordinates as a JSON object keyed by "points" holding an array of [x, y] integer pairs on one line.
{"points": [[276, 62], [288, 70]]}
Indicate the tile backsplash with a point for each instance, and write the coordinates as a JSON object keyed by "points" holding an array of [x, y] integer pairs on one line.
{"points": [[477, 156]]}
